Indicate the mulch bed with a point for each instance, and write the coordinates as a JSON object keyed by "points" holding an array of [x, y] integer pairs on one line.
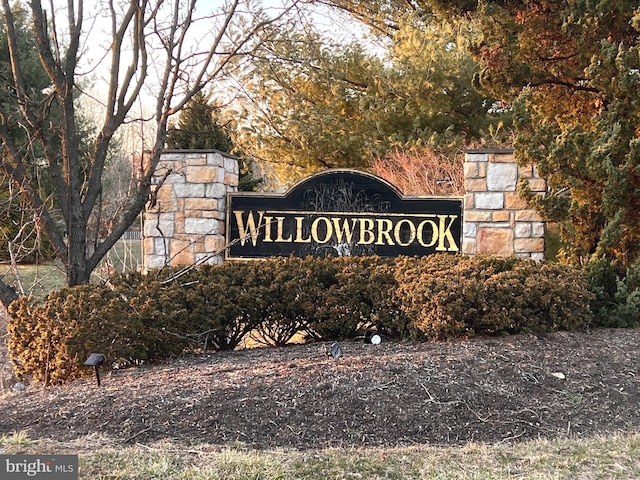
{"points": [[396, 393]]}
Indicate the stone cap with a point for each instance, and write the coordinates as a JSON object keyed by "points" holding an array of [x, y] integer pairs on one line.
{"points": [[198, 150], [489, 150]]}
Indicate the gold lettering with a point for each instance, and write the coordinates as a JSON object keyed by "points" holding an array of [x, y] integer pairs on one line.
{"points": [[398, 230], [429, 232], [250, 230], [367, 236], [314, 230], [384, 230], [267, 228], [434, 233], [299, 233], [445, 232], [345, 229], [280, 231]]}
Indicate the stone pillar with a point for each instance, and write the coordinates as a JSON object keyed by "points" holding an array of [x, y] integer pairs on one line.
{"points": [[496, 220], [185, 222]]}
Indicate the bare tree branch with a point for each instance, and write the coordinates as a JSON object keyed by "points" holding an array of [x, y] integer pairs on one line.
{"points": [[144, 34]]}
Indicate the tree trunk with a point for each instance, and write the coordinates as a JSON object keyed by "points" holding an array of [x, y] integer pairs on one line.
{"points": [[50, 118], [7, 294]]}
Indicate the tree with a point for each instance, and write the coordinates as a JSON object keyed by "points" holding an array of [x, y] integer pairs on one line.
{"points": [[316, 105], [382, 16], [570, 72], [147, 47], [198, 128], [19, 238]]}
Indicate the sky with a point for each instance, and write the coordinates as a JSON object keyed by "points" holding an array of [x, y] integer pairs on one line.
{"points": [[95, 53]]}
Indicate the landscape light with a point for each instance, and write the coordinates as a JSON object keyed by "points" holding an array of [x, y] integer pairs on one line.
{"points": [[95, 360], [372, 338]]}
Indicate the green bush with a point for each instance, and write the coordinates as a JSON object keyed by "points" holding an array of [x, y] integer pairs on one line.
{"points": [[139, 318], [489, 295], [159, 306], [210, 307], [293, 297], [362, 298], [616, 291], [222, 304]]}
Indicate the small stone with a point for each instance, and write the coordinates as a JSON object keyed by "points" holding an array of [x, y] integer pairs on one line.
{"points": [[559, 375], [19, 387], [335, 350]]}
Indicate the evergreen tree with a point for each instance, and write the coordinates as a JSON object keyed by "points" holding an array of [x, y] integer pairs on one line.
{"points": [[20, 239], [570, 71], [198, 128], [314, 105]]}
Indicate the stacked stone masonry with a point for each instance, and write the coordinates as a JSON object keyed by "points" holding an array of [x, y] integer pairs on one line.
{"points": [[185, 222], [496, 220]]}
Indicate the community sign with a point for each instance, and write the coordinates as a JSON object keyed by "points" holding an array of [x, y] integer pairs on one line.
{"points": [[341, 213]]}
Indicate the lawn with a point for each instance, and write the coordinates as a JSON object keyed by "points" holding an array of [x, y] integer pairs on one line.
{"points": [[38, 280], [608, 457]]}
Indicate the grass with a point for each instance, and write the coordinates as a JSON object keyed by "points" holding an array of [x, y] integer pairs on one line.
{"points": [[39, 280], [609, 457]]}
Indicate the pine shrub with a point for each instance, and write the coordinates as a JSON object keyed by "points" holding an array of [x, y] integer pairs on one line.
{"points": [[491, 295], [616, 294], [140, 318], [362, 298], [50, 342], [293, 297]]}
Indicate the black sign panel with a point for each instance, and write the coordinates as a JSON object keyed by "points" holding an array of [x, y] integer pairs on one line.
{"points": [[341, 213]]}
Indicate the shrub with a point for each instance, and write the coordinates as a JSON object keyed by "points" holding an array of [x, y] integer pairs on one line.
{"points": [[488, 295], [422, 171], [160, 307], [221, 305], [363, 297], [138, 318], [293, 297], [535, 297], [37, 344], [51, 341], [616, 291]]}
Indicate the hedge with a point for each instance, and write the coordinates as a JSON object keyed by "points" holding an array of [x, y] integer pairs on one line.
{"points": [[139, 318], [468, 296]]}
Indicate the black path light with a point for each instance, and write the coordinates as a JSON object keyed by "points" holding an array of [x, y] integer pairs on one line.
{"points": [[95, 360], [373, 338]]}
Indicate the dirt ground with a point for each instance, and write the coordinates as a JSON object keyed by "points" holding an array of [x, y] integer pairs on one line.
{"points": [[392, 394]]}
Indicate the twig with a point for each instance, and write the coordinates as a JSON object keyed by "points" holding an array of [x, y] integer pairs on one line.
{"points": [[437, 402], [513, 437], [383, 386], [137, 434]]}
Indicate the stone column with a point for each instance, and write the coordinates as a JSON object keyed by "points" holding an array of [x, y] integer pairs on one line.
{"points": [[496, 220], [185, 223]]}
